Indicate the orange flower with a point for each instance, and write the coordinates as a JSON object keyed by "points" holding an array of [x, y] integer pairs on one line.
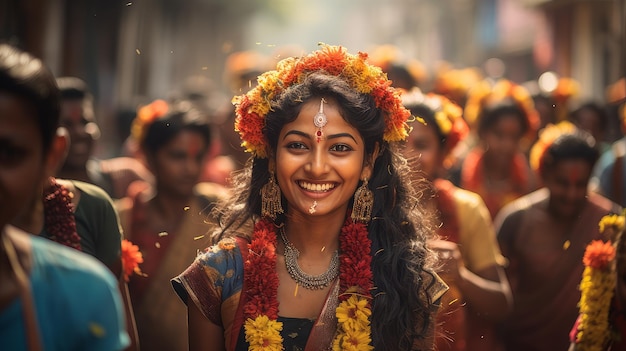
{"points": [[131, 258], [145, 116], [599, 254]]}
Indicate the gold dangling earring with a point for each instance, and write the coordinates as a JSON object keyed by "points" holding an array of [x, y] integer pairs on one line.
{"points": [[271, 198], [363, 203]]}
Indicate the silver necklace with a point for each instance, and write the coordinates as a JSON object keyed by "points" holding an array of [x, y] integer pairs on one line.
{"points": [[305, 280]]}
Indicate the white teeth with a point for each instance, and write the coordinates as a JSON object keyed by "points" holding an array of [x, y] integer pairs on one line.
{"points": [[317, 187]]}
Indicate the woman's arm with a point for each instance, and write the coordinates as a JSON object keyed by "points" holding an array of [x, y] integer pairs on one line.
{"points": [[204, 335]]}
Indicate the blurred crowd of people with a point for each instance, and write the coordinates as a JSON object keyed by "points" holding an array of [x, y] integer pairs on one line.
{"points": [[520, 175]]}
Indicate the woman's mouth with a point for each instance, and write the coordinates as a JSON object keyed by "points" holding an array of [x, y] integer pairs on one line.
{"points": [[316, 187]]}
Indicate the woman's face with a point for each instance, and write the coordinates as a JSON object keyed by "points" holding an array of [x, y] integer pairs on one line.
{"points": [[325, 173], [178, 164], [22, 161], [502, 139], [567, 183], [424, 147]]}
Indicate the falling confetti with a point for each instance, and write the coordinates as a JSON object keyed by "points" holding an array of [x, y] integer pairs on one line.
{"points": [[158, 245], [129, 3], [138, 52], [163, 234], [186, 208], [566, 244], [198, 237]]}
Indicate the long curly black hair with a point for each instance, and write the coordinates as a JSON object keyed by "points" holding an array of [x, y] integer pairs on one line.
{"points": [[399, 229]]}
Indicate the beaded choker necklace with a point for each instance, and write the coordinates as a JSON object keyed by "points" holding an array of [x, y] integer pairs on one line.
{"points": [[262, 330], [305, 280], [59, 219]]}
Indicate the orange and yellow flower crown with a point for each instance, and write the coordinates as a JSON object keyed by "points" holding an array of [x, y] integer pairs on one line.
{"points": [[486, 93], [547, 137], [145, 116], [252, 107]]}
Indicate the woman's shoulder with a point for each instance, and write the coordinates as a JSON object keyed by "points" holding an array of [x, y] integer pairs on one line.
{"points": [[225, 255]]}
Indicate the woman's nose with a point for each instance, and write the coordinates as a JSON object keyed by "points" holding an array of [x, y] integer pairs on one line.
{"points": [[318, 163]]}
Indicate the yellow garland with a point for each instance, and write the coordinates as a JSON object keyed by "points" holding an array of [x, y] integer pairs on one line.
{"points": [[597, 288], [354, 332], [614, 222]]}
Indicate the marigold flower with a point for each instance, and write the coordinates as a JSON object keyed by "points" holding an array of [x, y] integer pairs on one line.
{"points": [[599, 254], [353, 313], [263, 334], [131, 258]]}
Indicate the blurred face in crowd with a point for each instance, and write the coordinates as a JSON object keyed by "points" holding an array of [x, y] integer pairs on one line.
{"points": [[23, 163], [326, 172], [588, 120], [424, 148], [77, 117], [502, 139], [567, 182], [177, 165]]}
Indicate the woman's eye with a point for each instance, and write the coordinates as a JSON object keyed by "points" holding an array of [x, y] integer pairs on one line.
{"points": [[340, 147], [296, 145]]}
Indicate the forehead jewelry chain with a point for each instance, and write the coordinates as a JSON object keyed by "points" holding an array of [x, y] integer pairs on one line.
{"points": [[305, 280], [320, 121]]}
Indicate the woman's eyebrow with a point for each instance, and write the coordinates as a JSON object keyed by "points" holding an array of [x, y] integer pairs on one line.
{"points": [[332, 136]]}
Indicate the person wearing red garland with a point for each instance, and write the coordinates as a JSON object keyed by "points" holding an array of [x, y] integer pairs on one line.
{"points": [[323, 245], [472, 264], [51, 297], [543, 235], [502, 118]]}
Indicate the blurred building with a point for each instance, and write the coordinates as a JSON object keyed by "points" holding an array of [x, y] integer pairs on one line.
{"points": [[133, 51]]}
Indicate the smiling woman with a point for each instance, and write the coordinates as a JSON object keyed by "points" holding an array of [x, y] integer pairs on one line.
{"points": [[322, 246]]}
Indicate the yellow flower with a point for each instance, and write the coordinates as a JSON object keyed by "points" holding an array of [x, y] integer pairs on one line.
{"points": [[445, 125], [353, 313], [263, 334], [353, 341], [615, 221]]}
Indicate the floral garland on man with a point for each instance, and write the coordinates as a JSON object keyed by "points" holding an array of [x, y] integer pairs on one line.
{"points": [[601, 324]]}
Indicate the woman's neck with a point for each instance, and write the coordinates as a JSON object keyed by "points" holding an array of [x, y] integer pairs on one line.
{"points": [[314, 235]]}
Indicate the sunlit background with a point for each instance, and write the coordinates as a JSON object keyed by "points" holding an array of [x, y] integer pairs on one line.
{"points": [[130, 52]]}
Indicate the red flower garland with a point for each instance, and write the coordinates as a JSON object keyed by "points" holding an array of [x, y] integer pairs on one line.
{"points": [[59, 219], [261, 278], [355, 269]]}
